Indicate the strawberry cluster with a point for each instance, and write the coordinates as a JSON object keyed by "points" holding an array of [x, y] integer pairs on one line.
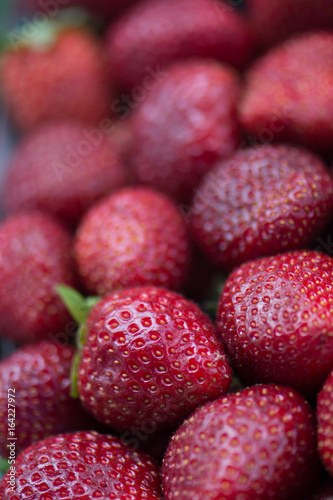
{"points": [[166, 264]]}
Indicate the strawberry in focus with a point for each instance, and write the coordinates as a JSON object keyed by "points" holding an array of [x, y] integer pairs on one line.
{"points": [[287, 94], [261, 201], [134, 237], [171, 30], [35, 255], [37, 379], [150, 357], [325, 423], [275, 320], [65, 79], [63, 168], [172, 146], [259, 443], [83, 465]]}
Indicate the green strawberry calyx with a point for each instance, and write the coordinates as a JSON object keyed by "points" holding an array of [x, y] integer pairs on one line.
{"points": [[4, 466], [79, 308]]}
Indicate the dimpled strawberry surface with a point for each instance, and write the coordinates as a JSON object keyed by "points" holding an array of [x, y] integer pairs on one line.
{"points": [[166, 250]]}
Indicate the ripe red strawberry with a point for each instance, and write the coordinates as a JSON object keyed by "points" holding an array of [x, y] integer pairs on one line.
{"points": [[171, 30], [84, 465], [34, 257], [35, 382], [257, 444], [173, 145], [288, 92], [67, 79], [149, 359], [259, 202], [325, 423], [134, 237], [63, 168], [275, 319], [276, 20]]}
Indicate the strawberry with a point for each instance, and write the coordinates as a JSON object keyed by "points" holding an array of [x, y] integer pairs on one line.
{"points": [[37, 380], [325, 423], [62, 168], [34, 257], [83, 465], [261, 201], [287, 93], [150, 357], [173, 146], [257, 444], [277, 20], [122, 242], [65, 79], [275, 320], [177, 29]]}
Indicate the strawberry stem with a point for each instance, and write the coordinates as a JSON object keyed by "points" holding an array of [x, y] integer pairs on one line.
{"points": [[4, 466]]}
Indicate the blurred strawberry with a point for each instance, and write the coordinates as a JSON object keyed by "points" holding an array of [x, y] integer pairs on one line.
{"points": [[175, 29], [34, 256], [257, 444], [184, 125], [63, 168], [134, 237], [261, 201], [288, 93], [325, 423], [276, 20], [63, 78], [35, 397], [83, 465]]}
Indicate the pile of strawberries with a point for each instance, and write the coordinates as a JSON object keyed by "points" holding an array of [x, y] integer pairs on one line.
{"points": [[166, 260]]}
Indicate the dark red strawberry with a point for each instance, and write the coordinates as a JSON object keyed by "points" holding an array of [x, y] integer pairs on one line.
{"points": [[184, 126], [277, 20], [63, 168], [288, 92], [324, 492], [134, 237], [150, 357], [85, 466], [275, 319], [325, 423], [174, 29], [67, 79], [261, 201], [34, 256], [259, 444], [35, 397]]}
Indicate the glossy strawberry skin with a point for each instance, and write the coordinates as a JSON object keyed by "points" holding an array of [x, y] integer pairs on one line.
{"points": [[287, 93], [37, 378], [83, 465], [34, 257], [134, 237], [178, 29], [150, 358], [325, 423], [63, 168], [68, 80], [255, 444], [277, 20], [275, 320], [261, 201], [173, 146]]}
